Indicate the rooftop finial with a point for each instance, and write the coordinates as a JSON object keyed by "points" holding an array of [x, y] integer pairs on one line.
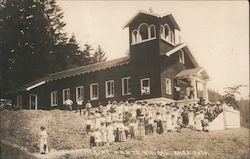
{"points": [[150, 10]]}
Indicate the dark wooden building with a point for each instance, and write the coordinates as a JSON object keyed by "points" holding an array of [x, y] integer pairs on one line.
{"points": [[157, 68]]}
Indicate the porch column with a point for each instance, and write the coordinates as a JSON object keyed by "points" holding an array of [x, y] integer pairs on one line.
{"points": [[205, 91], [193, 83]]}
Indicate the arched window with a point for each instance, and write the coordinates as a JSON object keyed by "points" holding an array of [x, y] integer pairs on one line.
{"points": [[143, 32], [152, 31], [167, 31], [172, 37], [134, 36]]}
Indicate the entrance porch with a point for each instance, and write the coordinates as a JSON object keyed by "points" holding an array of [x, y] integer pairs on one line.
{"points": [[190, 85]]}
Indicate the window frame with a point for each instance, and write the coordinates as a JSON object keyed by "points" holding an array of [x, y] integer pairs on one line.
{"points": [[91, 91], [51, 98], [168, 91], [181, 57], [127, 83], [35, 95], [64, 94], [82, 88], [141, 81], [19, 101], [113, 89], [149, 30]]}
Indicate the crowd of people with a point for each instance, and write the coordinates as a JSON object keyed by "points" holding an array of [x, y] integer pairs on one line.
{"points": [[117, 122]]}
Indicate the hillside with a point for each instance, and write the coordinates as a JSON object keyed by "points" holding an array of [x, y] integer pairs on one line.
{"points": [[65, 131]]}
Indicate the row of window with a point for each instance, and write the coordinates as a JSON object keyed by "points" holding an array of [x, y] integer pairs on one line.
{"points": [[167, 34], [94, 92], [147, 32], [143, 33]]}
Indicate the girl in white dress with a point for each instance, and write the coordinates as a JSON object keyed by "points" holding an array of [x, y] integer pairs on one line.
{"points": [[191, 118], [169, 121], [43, 141]]}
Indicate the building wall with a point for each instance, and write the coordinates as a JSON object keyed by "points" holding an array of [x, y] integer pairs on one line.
{"points": [[170, 66]]}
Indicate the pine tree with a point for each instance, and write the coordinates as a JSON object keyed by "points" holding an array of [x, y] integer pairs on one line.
{"points": [[86, 56], [32, 40], [99, 55]]}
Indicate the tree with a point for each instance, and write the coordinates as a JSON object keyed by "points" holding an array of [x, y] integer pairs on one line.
{"points": [[230, 95], [32, 41], [99, 55], [86, 56]]}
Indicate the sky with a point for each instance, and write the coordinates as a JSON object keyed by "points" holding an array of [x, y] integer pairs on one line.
{"points": [[217, 32]]}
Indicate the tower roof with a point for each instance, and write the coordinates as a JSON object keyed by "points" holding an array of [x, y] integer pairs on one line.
{"points": [[169, 15]]}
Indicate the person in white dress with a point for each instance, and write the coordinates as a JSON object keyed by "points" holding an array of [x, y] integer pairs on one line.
{"points": [[169, 122], [198, 124], [43, 141], [191, 118], [110, 133]]}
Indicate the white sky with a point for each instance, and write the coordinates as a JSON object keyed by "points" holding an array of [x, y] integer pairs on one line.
{"points": [[216, 31]]}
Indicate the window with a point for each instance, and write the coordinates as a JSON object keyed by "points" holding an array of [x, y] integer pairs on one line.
{"points": [[110, 91], [152, 31], [134, 36], [33, 101], [172, 37], [143, 32], [94, 91], [168, 86], [145, 86], [166, 32], [66, 94], [19, 101], [79, 93], [54, 98], [126, 86], [181, 56], [162, 31]]}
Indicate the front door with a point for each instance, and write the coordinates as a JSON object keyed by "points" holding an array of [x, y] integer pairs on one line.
{"points": [[33, 101]]}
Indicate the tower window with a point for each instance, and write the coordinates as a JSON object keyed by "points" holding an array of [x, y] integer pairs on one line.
{"points": [[134, 36], [172, 37], [143, 32], [152, 31], [167, 32]]}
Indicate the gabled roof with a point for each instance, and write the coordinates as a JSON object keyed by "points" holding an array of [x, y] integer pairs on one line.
{"points": [[193, 72], [176, 26], [72, 72], [185, 47]]}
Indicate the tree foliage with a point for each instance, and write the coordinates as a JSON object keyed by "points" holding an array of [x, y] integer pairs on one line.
{"points": [[230, 95], [33, 43], [99, 55]]}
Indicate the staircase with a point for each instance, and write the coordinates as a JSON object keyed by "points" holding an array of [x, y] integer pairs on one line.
{"points": [[229, 118]]}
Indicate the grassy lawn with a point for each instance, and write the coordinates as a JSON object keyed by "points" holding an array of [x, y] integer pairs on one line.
{"points": [[65, 130]]}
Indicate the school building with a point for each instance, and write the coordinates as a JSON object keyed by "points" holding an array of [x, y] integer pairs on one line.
{"points": [[157, 68]]}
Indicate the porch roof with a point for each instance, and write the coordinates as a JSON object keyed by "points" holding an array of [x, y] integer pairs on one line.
{"points": [[199, 71]]}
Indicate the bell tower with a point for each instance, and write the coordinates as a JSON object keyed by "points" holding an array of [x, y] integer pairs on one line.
{"points": [[149, 35]]}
